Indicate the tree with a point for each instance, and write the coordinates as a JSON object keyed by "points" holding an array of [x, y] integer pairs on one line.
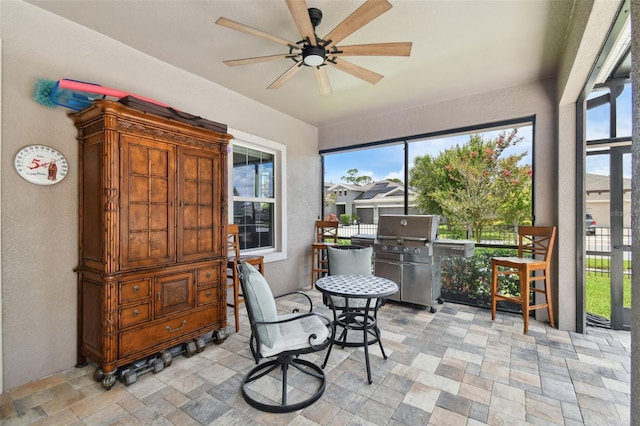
{"points": [[473, 185], [330, 199], [353, 178]]}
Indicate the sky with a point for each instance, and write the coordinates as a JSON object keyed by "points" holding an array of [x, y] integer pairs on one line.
{"points": [[387, 162]]}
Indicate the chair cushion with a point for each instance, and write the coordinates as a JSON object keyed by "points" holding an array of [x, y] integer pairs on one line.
{"points": [[350, 261], [294, 335], [263, 305]]}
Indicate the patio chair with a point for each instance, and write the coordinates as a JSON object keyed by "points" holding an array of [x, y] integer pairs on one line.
{"points": [[532, 265], [349, 313], [283, 339], [326, 235]]}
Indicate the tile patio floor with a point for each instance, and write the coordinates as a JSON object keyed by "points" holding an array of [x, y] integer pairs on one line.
{"points": [[454, 367]]}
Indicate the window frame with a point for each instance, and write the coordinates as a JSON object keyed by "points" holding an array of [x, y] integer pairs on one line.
{"points": [[279, 151]]}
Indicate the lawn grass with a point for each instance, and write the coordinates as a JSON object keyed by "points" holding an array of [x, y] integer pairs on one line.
{"points": [[599, 293], [604, 263]]}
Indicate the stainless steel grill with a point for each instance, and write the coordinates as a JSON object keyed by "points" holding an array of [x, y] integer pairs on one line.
{"points": [[407, 250]]}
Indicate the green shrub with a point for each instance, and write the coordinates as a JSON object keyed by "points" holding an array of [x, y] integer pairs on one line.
{"points": [[469, 279], [345, 219]]}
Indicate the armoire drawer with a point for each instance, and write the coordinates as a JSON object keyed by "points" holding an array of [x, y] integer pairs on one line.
{"points": [[135, 314], [140, 339], [208, 276], [209, 295], [134, 290]]}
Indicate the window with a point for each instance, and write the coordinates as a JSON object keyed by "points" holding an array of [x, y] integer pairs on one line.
{"points": [[257, 200], [385, 179], [480, 179]]}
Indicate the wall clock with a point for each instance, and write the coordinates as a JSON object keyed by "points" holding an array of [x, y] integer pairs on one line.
{"points": [[41, 164]]}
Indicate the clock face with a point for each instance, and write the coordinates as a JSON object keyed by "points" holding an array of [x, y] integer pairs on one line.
{"points": [[41, 164]]}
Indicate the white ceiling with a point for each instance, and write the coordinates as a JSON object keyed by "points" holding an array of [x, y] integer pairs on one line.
{"points": [[459, 47]]}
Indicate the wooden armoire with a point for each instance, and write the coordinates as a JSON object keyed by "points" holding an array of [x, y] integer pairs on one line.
{"points": [[152, 234]]}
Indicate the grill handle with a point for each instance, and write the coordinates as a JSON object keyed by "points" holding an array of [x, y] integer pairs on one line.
{"points": [[396, 238]]}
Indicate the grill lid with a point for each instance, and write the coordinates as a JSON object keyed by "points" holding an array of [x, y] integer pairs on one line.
{"points": [[408, 229]]}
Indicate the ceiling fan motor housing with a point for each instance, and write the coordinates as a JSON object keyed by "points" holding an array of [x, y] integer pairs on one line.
{"points": [[313, 56], [315, 15]]}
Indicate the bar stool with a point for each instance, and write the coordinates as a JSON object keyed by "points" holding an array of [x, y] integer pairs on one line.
{"points": [[233, 259], [326, 234], [533, 264]]}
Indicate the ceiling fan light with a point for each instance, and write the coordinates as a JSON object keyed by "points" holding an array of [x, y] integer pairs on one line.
{"points": [[313, 60], [313, 56]]}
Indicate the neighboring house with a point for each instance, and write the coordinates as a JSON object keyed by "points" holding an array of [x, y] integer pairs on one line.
{"points": [[597, 202], [368, 202]]}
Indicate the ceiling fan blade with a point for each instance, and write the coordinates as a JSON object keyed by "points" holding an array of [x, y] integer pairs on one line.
{"points": [[356, 70], [358, 19], [300, 14], [324, 86], [286, 76], [254, 31], [257, 59], [375, 49]]}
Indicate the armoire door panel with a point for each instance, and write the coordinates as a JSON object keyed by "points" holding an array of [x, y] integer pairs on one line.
{"points": [[158, 244], [199, 218], [138, 189], [148, 206], [205, 240], [206, 193], [159, 187], [138, 217], [158, 217], [174, 293]]}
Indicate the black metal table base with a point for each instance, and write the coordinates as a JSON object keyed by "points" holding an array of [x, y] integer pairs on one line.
{"points": [[369, 289], [357, 320]]}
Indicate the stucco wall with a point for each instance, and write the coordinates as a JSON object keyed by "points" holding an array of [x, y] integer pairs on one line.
{"points": [[39, 224]]}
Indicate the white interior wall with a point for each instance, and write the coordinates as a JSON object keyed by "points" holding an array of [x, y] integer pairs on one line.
{"points": [[39, 224]]}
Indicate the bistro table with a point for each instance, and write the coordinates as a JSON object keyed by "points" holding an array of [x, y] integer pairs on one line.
{"points": [[367, 287]]}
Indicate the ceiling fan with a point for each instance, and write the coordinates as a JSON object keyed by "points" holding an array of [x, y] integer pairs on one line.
{"points": [[315, 52]]}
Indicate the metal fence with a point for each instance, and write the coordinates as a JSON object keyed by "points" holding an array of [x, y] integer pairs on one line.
{"points": [[495, 235], [467, 280], [598, 251], [598, 246]]}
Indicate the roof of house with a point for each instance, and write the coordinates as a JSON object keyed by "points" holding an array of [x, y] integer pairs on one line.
{"points": [[600, 183], [381, 188]]}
